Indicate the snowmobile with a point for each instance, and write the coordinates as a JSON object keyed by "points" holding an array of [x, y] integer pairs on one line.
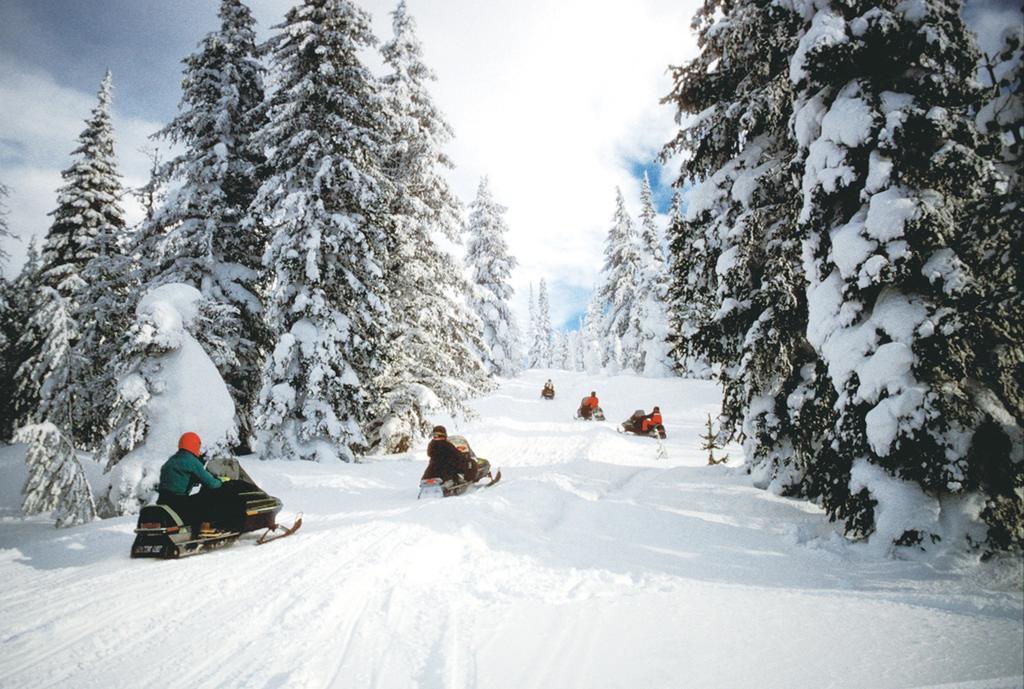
{"points": [[548, 393], [597, 415], [634, 424], [435, 487], [161, 532]]}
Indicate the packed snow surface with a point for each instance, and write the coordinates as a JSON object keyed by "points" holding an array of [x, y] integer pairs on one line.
{"points": [[592, 565]]}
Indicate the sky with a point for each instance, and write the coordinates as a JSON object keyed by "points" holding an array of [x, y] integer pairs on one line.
{"points": [[556, 101]]}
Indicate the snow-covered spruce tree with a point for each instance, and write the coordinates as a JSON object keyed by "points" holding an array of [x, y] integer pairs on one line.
{"points": [[325, 202], [10, 326], [593, 344], [623, 277], [579, 345], [561, 351], [168, 383], [737, 291], [540, 347], [53, 380], [5, 230], [901, 306], [1002, 114], [19, 305], [435, 345], [56, 480], [203, 234], [652, 293], [675, 209], [491, 270], [51, 376], [106, 304], [531, 330], [88, 200]]}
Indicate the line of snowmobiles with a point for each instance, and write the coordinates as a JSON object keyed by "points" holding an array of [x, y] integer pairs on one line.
{"points": [[162, 533]]}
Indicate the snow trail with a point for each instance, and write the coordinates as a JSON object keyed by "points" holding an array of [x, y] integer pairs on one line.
{"points": [[592, 565]]}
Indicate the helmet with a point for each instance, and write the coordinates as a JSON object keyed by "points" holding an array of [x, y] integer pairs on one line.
{"points": [[439, 432], [593, 394], [657, 409], [190, 443]]}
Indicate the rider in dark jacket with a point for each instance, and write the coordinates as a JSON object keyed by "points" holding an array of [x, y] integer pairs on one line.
{"points": [[446, 462]]}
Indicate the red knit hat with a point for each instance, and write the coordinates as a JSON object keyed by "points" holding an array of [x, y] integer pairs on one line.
{"points": [[190, 442]]}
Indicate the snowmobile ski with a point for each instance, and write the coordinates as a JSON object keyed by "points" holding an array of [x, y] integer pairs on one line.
{"points": [[278, 531], [434, 487]]}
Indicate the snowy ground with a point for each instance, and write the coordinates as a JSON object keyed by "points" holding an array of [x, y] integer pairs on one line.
{"points": [[592, 565]]}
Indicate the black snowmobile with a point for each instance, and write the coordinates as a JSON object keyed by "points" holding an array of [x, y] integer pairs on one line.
{"points": [[597, 415], [242, 507], [436, 488], [634, 424]]}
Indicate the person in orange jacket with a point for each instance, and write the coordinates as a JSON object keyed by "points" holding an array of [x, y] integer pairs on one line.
{"points": [[653, 422], [589, 405]]}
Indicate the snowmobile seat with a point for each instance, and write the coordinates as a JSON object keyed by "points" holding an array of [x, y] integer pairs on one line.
{"points": [[159, 519], [633, 423]]}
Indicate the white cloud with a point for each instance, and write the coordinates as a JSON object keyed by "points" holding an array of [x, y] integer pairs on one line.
{"points": [[42, 121]]}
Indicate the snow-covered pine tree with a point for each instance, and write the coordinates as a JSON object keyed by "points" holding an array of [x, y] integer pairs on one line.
{"points": [[540, 349], [203, 234], [531, 332], [56, 480], [51, 376], [325, 202], [561, 351], [594, 346], [491, 268], [19, 305], [579, 344], [1002, 114], [572, 356], [737, 292], [9, 326], [652, 294], [903, 306], [106, 304], [623, 275], [52, 380], [5, 230], [995, 225], [434, 339], [88, 200], [157, 395], [152, 194], [675, 209]]}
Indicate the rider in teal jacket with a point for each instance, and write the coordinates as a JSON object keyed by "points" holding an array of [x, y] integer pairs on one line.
{"points": [[182, 472]]}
